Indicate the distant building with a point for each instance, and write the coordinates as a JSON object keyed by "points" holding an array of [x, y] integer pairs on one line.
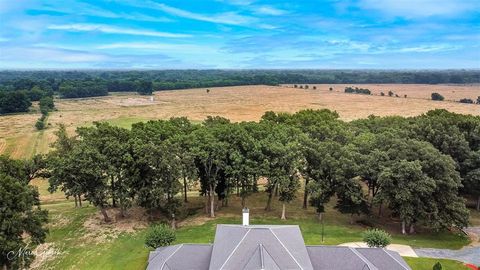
{"points": [[269, 247]]}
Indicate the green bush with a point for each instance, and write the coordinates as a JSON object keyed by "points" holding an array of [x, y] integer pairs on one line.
{"points": [[40, 124], [159, 236], [376, 238], [437, 266]]}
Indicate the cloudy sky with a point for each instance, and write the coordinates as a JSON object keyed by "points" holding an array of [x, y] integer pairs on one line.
{"points": [[155, 34]]}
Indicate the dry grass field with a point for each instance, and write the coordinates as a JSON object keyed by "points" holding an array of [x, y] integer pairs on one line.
{"points": [[451, 92], [19, 139]]}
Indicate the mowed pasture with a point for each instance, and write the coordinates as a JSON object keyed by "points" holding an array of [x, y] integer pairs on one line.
{"points": [[19, 139]]}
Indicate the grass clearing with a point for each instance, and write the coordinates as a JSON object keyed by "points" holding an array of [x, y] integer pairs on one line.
{"points": [[427, 264]]}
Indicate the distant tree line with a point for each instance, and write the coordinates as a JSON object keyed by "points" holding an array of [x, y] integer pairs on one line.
{"points": [[357, 90], [46, 105], [78, 84]]}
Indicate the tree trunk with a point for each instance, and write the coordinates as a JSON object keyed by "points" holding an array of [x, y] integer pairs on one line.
{"points": [[112, 185], [478, 203], [243, 202], [283, 211], [269, 201], [412, 228], [80, 200], [185, 189], [305, 194], [76, 202], [351, 219], [105, 215], [320, 216], [227, 195], [403, 227], [212, 202], [380, 209], [174, 223], [276, 190], [122, 208], [207, 201]]}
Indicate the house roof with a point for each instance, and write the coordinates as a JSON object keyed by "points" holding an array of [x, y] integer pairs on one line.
{"points": [[282, 246], [180, 257], [269, 247]]}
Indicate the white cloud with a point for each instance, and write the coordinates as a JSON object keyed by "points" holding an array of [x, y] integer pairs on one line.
{"points": [[40, 54], [155, 46], [428, 48], [420, 8], [269, 10], [84, 9], [83, 27], [224, 18]]}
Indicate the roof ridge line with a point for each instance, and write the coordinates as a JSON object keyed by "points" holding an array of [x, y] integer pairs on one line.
{"points": [[288, 251], [403, 266], [165, 262], [365, 260], [262, 263], [271, 257], [233, 251]]}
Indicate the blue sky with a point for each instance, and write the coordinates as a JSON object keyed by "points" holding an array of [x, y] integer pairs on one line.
{"points": [[154, 34]]}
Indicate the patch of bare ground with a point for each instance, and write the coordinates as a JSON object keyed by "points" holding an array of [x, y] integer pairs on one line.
{"points": [[44, 253], [99, 231]]}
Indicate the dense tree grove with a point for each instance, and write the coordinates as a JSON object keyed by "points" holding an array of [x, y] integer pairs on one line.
{"points": [[418, 169]]}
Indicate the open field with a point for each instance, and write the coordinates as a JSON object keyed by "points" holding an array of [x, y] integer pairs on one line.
{"points": [[19, 139], [451, 92]]}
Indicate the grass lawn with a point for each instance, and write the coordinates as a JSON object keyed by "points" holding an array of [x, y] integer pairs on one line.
{"points": [[427, 264], [82, 247]]}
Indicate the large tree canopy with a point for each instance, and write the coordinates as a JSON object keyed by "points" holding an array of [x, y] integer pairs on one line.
{"points": [[20, 216]]}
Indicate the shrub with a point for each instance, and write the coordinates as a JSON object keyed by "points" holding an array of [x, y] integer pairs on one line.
{"points": [[478, 100], [295, 86], [382, 94], [390, 93], [40, 124], [405, 96], [437, 266], [331, 89], [314, 88], [159, 236], [466, 100], [437, 96], [376, 238], [306, 86]]}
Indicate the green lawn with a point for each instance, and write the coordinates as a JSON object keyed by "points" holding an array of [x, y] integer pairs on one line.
{"points": [[127, 251], [427, 264]]}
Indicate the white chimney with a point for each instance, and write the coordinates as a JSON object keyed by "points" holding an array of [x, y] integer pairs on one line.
{"points": [[246, 217]]}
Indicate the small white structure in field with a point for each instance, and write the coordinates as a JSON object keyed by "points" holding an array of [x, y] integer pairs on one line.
{"points": [[151, 98], [246, 218]]}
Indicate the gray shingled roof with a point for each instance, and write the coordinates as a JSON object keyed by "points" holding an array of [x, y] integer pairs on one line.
{"points": [[281, 246], [269, 247], [336, 257], [181, 257], [383, 259]]}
